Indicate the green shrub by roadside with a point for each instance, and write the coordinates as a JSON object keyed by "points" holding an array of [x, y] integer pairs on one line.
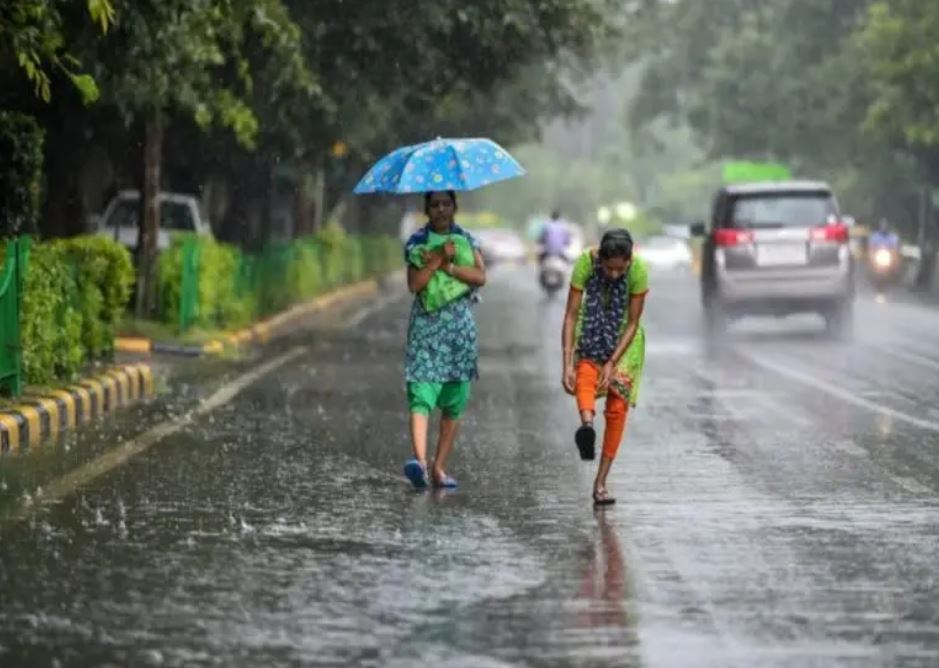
{"points": [[51, 323], [75, 293], [218, 302], [235, 288], [104, 275]]}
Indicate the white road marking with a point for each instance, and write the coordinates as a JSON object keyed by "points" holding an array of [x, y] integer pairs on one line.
{"points": [[913, 357], [359, 316], [65, 485], [838, 392]]}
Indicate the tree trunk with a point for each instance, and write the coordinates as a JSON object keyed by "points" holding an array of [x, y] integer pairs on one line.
{"points": [[319, 196], [303, 206], [150, 217]]}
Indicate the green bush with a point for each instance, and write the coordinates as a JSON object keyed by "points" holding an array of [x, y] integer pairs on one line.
{"points": [[51, 320], [104, 276], [304, 273], [21, 141], [220, 301], [75, 293], [235, 288], [331, 240]]}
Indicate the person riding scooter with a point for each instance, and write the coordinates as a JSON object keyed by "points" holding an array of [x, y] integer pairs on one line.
{"points": [[883, 255], [555, 237], [554, 241]]}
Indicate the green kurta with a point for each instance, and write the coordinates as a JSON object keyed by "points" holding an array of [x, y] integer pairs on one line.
{"points": [[631, 363]]}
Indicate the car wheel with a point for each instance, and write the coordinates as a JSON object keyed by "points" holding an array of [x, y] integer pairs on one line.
{"points": [[839, 320]]}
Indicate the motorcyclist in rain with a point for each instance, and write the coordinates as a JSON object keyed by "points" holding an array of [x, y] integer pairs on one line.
{"points": [[883, 237], [555, 237]]}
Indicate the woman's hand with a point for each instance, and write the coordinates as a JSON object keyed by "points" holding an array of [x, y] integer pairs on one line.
{"points": [[449, 250], [433, 260], [606, 375], [569, 379]]}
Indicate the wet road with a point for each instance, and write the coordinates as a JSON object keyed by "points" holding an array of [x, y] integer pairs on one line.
{"points": [[778, 506]]}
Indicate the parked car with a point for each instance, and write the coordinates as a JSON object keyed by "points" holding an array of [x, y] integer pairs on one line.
{"points": [[665, 253], [178, 213], [776, 249]]}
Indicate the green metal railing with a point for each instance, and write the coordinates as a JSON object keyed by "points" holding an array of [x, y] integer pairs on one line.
{"points": [[12, 276], [280, 274]]}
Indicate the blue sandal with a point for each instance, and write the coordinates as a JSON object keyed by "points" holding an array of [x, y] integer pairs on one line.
{"points": [[416, 473], [446, 482]]}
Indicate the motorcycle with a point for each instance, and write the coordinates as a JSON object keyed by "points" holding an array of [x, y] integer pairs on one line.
{"points": [[552, 274], [883, 266]]}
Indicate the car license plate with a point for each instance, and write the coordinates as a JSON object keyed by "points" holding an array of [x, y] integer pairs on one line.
{"points": [[779, 255]]}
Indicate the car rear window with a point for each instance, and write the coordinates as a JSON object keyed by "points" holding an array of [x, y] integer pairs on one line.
{"points": [[782, 210]]}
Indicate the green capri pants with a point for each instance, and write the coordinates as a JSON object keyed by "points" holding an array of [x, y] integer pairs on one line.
{"points": [[451, 398]]}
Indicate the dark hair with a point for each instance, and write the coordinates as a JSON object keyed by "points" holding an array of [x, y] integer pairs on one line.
{"points": [[616, 244], [428, 195], [555, 214]]}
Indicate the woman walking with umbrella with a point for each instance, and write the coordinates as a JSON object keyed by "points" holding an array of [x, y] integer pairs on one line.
{"points": [[441, 357], [445, 269]]}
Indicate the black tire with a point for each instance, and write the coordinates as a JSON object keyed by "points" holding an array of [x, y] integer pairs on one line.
{"points": [[839, 320]]}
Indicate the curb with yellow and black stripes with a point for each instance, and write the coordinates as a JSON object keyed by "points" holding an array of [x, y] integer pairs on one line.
{"points": [[43, 415]]}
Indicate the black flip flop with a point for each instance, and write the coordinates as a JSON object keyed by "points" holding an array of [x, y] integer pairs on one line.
{"points": [[603, 499], [586, 440]]}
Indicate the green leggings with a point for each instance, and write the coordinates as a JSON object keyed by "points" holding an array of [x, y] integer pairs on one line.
{"points": [[451, 398]]}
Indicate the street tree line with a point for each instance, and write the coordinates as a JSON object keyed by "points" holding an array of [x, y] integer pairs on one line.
{"points": [[846, 90], [253, 103]]}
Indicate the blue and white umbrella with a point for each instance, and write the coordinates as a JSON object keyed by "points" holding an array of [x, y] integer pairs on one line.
{"points": [[442, 164]]}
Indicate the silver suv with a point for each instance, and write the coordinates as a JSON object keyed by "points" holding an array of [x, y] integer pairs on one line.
{"points": [[776, 249]]}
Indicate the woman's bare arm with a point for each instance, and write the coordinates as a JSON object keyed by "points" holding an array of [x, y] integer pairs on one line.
{"points": [[574, 298], [419, 278], [475, 276]]}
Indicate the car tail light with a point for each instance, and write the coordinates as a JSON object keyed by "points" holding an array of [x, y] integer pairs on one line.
{"points": [[731, 237], [834, 232]]}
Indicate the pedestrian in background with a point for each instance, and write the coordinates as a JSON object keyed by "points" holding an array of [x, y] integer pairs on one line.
{"points": [[441, 357], [604, 345]]}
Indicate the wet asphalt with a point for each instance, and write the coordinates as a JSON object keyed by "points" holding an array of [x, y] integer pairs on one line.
{"points": [[778, 505]]}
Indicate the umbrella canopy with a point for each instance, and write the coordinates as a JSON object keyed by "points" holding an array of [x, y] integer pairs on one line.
{"points": [[442, 164]]}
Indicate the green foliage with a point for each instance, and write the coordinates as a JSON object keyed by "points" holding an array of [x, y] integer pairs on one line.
{"points": [[21, 142], [236, 288], [305, 272], [903, 55], [219, 303], [51, 319], [104, 276], [33, 32], [842, 90], [331, 240], [190, 56], [76, 292]]}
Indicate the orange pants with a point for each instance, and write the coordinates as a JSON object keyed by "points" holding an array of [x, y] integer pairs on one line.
{"points": [[616, 410]]}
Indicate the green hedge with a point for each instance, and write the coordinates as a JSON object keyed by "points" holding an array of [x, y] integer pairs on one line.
{"points": [[75, 293], [235, 288]]}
